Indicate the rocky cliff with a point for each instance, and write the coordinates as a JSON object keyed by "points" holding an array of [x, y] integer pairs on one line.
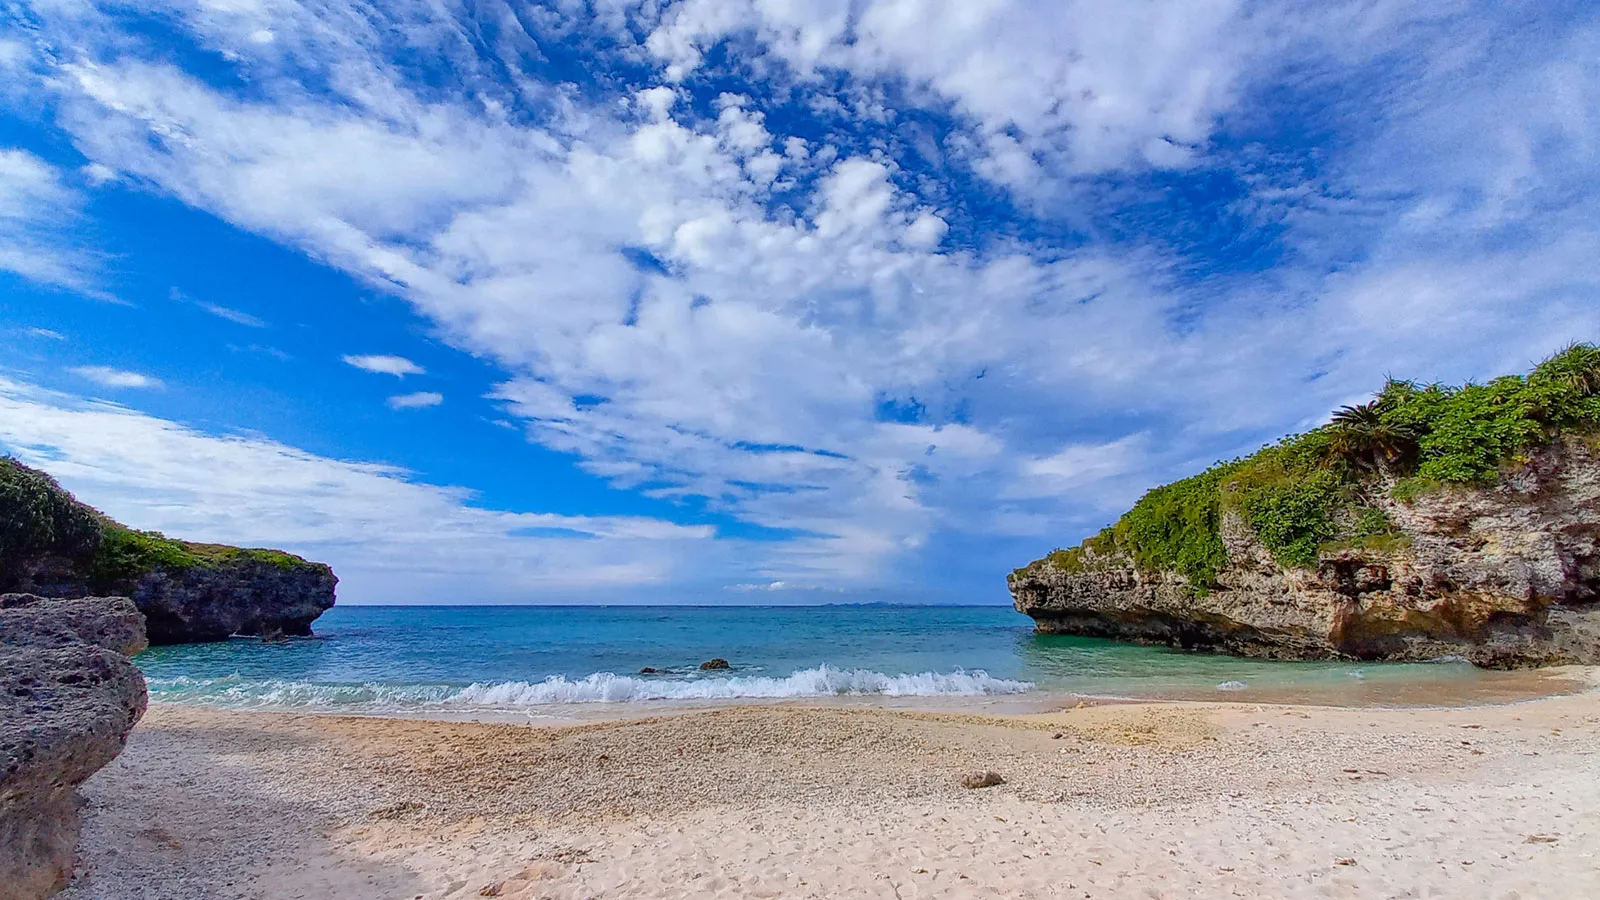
{"points": [[52, 545], [1287, 555], [68, 698]]}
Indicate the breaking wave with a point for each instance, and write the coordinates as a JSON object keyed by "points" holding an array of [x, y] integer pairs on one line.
{"points": [[601, 687]]}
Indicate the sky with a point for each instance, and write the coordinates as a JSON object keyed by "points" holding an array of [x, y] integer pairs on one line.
{"points": [[754, 301]]}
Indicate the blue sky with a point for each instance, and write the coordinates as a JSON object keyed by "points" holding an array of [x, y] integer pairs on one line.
{"points": [[752, 300]]}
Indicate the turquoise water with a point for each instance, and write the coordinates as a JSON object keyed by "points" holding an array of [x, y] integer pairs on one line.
{"points": [[466, 659]]}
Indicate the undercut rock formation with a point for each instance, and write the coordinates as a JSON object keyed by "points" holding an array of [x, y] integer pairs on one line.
{"points": [[1504, 576], [54, 546], [69, 696]]}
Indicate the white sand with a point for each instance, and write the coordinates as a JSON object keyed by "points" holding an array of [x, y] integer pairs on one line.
{"points": [[1143, 801]]}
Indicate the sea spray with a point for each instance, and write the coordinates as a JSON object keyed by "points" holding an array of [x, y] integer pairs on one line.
{"points": [[822, 681]]}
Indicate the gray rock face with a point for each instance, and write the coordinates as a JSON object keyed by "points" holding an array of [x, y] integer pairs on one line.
{"points": [[52, 545], [211, 602], [68, 698], [113, 623], [1506, 577], [245, 597]]}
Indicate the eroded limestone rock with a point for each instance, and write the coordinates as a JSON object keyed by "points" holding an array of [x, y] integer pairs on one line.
{"points": [[68, 698], [1507, 576]]}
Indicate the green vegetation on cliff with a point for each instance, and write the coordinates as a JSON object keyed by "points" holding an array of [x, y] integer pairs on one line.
{"points": [[39, 518], [1321, 491]]}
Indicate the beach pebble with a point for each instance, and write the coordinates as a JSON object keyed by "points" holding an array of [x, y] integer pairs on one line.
{"points": [[981, 779]]}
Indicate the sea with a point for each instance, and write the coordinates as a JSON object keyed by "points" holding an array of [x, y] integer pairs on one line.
{"points": [[579, 662]]}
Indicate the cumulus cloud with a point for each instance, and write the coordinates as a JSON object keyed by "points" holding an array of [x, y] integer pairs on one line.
{"points": [[106, 376], [417, 400], [861, 336], [397, 366]]}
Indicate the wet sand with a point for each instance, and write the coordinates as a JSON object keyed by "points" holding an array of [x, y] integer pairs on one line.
{"points": [[1170, 799]]}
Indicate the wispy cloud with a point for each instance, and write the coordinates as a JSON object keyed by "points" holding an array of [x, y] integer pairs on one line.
{"points": [[106, 376], [397, 366], [36, 212], [389, 536], [232, 315], [98, 175], [777, 587], [415, 401], [261, 350], [46, 333]]}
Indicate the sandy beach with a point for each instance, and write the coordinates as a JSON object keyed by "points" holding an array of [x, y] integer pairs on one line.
{"points": [[1131, 800]]}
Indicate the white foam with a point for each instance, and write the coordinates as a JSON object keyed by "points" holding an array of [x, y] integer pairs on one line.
{"points": [[601, 687], [1232, 686]]}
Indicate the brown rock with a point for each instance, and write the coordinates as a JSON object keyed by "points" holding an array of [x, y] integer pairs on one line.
{"points": [[718, 663], [974, 780]]}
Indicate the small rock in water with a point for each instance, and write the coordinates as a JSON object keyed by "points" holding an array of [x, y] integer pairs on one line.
{"points": [[649, 670], [983, 779], [1232, 686], [718, 663]]}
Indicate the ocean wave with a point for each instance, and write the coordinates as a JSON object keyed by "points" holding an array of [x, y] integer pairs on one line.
{"points": [[232, 690], [600, 687]]}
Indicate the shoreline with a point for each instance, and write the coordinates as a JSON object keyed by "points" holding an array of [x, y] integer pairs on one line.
{"points": [[1505, 688], [1159, 799]]}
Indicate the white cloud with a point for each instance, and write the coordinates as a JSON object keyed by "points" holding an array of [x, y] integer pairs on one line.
{"points": [[811, 345], [46, 333], [417, 400], [397, 366], [389, 537], [1078, 87], [98, 175], [1078, 465], [233, 315], [36, 209], [106, 376], [775, 587]]}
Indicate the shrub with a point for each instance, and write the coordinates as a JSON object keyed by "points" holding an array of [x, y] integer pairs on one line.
{"points": [[38, 516], [1312, 493]]}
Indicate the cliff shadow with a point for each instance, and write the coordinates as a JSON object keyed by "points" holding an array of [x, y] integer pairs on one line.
{"points": [[201, 812]]}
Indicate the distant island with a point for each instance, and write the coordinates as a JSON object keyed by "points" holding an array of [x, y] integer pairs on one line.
{"points": [[1432, 521], [51, 545]]}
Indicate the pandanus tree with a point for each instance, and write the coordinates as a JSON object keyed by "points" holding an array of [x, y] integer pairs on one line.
{"points": [[1359, 436], [1576, 369]]}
